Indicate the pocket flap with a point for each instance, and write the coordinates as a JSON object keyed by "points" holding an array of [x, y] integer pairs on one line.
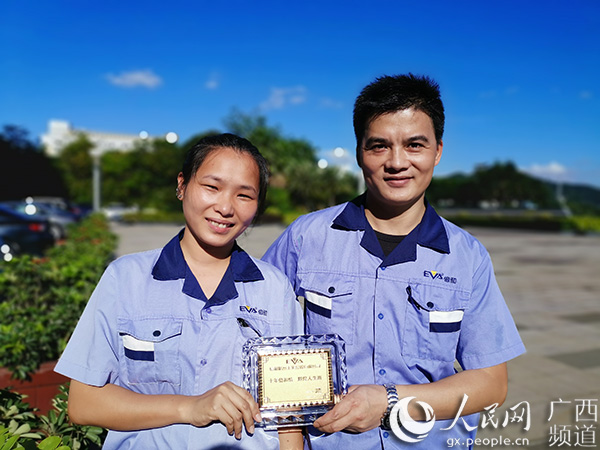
{"points": [[149, 330], [328, 285], [439, 299]]}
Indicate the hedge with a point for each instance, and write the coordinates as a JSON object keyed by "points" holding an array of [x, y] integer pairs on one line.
{"points": [[41, 299]]}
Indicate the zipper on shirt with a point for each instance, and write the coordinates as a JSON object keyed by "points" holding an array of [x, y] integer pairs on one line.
{"points": [[243, 323], [412, 300]]}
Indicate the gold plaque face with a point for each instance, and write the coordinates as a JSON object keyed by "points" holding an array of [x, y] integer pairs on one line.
{"points": [[296, 378]]}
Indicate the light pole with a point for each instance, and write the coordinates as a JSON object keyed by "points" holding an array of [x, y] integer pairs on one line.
{"points": [[96, 153]]}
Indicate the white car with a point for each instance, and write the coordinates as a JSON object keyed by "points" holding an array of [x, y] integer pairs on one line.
{"points": [[116, 211]]}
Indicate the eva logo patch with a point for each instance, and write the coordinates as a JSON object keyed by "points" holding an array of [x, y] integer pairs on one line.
{"points": [[253, 310], [439, 276]]}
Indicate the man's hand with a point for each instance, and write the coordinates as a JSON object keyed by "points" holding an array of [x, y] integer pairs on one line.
{"points": [[360, 410]]}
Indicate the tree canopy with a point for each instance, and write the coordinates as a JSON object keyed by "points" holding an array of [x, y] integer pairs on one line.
{"points": [[26, 170]]}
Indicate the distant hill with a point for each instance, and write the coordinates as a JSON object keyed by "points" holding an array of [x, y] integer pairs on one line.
{"points": [[581, 198], [502, 186]]}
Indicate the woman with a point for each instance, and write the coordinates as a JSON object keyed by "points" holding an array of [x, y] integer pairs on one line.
{"points": [[156, 355]]}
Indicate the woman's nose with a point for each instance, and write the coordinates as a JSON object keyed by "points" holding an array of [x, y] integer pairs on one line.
{"points": [[224, 205]]}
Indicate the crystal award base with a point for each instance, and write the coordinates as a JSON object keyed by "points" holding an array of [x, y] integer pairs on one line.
{"points": [[294, 379]]}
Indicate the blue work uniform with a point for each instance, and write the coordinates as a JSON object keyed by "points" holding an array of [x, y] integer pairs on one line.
{"points": [[148, 327], [405, 317]]}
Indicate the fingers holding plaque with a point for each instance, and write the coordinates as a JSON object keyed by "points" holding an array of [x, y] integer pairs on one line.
{"points": [[294, 379]]}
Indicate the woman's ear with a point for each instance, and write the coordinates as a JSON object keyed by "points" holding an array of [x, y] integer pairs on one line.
{"points": [[180, 190]]}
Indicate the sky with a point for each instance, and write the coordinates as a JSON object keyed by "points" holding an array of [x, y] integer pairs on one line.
{"points": [[519, 79]]}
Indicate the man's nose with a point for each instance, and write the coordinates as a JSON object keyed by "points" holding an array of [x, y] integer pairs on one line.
{"points": [[397, 160]]}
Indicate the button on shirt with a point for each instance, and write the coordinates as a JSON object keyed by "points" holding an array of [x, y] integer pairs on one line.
{"points": [[149, 328], [406, 317]]}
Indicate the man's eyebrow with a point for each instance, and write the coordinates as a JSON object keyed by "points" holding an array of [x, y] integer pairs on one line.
{"points": [[376, 140], [419, 137]]}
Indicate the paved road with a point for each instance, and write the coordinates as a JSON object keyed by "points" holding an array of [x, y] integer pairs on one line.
{"points": [[137, 238], [552, 287]]}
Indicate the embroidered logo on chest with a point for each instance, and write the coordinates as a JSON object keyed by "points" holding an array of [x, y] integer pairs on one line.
{"points": [[439, 276], [253, 310]]}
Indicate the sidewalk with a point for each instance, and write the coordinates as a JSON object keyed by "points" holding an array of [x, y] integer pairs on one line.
{"points": [[551, 284], [552, 287]]}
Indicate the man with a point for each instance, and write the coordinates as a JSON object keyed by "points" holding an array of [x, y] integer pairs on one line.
{"points": [[409, 292]]}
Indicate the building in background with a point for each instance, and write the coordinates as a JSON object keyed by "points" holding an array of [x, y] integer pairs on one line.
{"points": [[60, 133]]}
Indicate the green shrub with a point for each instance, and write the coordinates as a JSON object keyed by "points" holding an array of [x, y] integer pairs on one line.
{"points": [[585, 224], [41, 299], [21, 428]]}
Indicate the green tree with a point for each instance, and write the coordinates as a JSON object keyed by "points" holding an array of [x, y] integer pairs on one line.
{"points": [[146, 175], [296, 180], [75, 163], [26, 170], [500, 183], [281, 152]]}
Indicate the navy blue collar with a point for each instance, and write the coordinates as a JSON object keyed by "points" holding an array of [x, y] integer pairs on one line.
{"points": [[171, 265], [429, 233]]}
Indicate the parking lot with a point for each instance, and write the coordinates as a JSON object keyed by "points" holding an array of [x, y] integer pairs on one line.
{"points": [[551, 284]]}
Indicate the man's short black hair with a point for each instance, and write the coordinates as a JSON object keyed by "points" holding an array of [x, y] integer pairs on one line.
{"points": [[388, 94]]}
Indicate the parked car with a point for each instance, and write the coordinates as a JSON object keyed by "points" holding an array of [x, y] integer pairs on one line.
{"points": [[78, 211], [116, 211], [59, 219], [24, 234], [7, 252]]}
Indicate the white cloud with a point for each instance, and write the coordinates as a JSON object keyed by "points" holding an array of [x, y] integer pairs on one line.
{"points": [[487, 94], [331, 103], [282, 97], [135, 78], [213, 82], [552, 171]]}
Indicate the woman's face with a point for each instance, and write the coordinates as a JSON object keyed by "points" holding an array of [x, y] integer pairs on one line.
{"points": [[221, 198]]}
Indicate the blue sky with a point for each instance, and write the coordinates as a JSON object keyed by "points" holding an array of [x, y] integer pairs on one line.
{"points": [[519, 79]]}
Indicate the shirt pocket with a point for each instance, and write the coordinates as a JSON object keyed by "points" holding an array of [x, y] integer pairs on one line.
{"points": [[150, 351], [433, 321], [328, 301], [246, 328]]}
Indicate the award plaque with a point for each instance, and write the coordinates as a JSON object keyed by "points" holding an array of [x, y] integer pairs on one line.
{"points": [[294, 379]]}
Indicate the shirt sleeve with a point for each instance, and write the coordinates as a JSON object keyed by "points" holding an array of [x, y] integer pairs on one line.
{"points": [[283, 254], [91, 355], [488, 334]]}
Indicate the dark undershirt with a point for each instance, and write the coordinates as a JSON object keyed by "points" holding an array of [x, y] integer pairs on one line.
{"points": [[388, 242]]}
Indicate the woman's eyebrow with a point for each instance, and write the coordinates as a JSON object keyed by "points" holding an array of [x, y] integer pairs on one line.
{"points": [[221, 180]]}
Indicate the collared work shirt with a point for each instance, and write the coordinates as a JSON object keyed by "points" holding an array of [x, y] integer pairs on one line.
{"points": [[148, 327], [406, 317]]}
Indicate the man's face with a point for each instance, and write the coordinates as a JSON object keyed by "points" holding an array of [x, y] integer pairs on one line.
{"points": [[399, 152]]}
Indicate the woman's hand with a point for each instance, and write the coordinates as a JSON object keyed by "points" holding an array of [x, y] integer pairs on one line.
{"points": [[118, 408], [227, 403]]}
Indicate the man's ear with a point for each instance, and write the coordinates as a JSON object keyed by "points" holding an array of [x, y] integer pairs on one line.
{"points": [[438, 155]]}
